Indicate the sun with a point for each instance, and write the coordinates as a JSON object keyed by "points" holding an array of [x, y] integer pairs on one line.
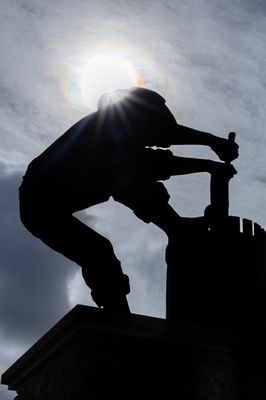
{"points": [[104, 73]]}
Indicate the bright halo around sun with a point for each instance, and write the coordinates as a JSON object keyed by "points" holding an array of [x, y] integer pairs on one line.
{"points": [[104, 73]]}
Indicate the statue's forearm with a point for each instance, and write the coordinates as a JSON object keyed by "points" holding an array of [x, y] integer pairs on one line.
{"points": [[225, 148], [186, 135]]}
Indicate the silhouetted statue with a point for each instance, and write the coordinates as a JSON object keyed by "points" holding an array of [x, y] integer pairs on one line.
{"points": [[109, 153]]}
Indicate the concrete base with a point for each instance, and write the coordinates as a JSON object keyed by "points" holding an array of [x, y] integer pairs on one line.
{"points": [[91, 355]]}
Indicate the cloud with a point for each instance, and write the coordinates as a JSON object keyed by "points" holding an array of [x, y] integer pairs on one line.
{"points": [[33, 279]]}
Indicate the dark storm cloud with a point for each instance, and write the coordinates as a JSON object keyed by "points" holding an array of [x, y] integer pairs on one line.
{"points": [[33, 279]]}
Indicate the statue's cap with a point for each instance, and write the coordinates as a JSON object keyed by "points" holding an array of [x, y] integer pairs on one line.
{"points": [[137, 96]]}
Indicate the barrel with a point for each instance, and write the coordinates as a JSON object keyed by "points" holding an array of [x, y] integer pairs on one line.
{"points": [[217, 276]]}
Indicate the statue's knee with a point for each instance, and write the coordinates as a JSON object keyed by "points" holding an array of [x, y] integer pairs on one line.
{"points": [[149, 208], [105, 292]]}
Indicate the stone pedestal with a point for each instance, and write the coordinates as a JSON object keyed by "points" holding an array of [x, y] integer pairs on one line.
{"points": [[89, 355]]}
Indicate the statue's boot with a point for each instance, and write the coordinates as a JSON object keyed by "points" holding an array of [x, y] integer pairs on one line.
{"points": [[112, 295], [116, 303], [109, 285]]}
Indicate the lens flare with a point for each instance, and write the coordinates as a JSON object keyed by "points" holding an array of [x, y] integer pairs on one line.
{"points": [[104, 74], [85, 80]]}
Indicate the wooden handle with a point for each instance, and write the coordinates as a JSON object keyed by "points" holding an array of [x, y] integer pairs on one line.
{"points": [[231, 136], [220, 191]]}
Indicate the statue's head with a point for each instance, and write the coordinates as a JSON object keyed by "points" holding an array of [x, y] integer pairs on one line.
{"points": [[141, 111]]}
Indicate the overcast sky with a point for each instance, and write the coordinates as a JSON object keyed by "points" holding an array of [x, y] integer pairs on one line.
{"points": [[206, 57]]}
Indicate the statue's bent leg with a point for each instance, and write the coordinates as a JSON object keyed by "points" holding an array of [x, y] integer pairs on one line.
{"points": [[67, 235], [149, 202]]}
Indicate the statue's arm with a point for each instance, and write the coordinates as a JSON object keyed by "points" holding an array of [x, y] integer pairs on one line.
{"points": [[186, 135], [225, 149]]}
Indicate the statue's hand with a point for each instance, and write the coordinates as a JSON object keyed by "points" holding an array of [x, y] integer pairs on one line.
{"points": [[222, 169], [226, 150]]}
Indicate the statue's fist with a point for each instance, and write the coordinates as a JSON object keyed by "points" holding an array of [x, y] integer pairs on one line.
{"points": [[222, 169], [226, 149]]}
